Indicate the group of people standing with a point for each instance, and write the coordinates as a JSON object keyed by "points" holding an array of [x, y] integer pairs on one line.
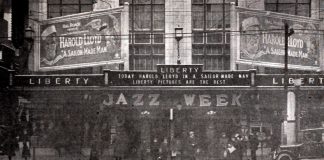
{"points": [[225, 148], [235, 147]]}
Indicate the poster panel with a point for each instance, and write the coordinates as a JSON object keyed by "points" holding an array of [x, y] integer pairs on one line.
{"points": [[262, 40], [80, 40]]}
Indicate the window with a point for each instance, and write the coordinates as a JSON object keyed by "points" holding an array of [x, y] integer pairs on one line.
{"points": [[295, 7], [58, 8], [211, 26], [146, 34]]}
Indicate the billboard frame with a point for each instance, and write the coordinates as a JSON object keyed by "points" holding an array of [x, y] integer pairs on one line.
{"points": [[124, 39], [237, 35]]}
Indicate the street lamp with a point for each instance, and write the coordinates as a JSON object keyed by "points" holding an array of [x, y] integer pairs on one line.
{"points": [[297, 84], [20, 64], [29, 37], [178, 35], [29, 33], [288, 33]]}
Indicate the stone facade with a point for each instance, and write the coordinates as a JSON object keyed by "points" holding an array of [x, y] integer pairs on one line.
{"points": [[177, 14]]}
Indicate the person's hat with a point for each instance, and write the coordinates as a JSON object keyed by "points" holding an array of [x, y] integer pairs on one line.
{"points": [[248, 22], [95, 24], [238, 136], [48, 31]]}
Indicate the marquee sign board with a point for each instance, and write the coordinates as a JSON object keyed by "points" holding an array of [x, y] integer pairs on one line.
{"points": [[58, 80], [178, 75], [261, 39], [279, 79], [81, 40], [166, 75]]}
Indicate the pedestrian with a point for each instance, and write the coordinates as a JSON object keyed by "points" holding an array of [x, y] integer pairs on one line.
{"points": [[94, 154], [164, 150], [9, 145], [25, 152], [120, 145], [191, 146], [274, 141], [238, 144], [231, 152], [144, 150], [223, 141], [155, 148], [254, 143], [176, 149]]}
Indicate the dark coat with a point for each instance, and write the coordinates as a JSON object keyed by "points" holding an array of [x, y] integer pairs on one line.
{"points": [[235, 155], [254, 142], [9, 146]]}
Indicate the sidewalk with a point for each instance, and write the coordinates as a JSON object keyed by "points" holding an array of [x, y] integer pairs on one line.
{"points": [[101, 158], [264, 155]]}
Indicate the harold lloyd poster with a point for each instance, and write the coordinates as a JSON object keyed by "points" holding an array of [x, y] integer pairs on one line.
{"points": [[262, 40], [88, 39]]}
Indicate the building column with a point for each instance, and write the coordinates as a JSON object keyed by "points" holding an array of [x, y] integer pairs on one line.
{"points": [[38, 12], [315, 9], [177, 15], [234, 37], [289, 125]]}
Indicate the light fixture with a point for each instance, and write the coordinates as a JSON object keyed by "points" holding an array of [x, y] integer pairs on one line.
{"points": [[178, 35], [211, 112], [145, 112], [29, 34], [179, 106], [29, 37]]}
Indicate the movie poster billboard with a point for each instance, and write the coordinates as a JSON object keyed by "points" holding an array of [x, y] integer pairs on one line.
{"points": [[81, 40], [262, 40]]}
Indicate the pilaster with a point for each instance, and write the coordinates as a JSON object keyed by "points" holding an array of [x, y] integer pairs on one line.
{"points": [[178, 14]]}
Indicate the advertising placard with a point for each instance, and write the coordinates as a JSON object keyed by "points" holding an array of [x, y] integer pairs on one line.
{"points": [[262, 40], [179, 75], [81, 40], [58, 80], [279, 79]]}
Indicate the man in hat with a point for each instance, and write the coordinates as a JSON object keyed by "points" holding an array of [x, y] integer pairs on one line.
{"points": [[223, 141], [49, 38], [239, 145], [250, 40], [254, 143], [191, 146]]}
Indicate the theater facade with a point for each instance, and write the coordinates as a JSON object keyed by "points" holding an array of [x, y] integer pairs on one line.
{"points": [[176, 111]]}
